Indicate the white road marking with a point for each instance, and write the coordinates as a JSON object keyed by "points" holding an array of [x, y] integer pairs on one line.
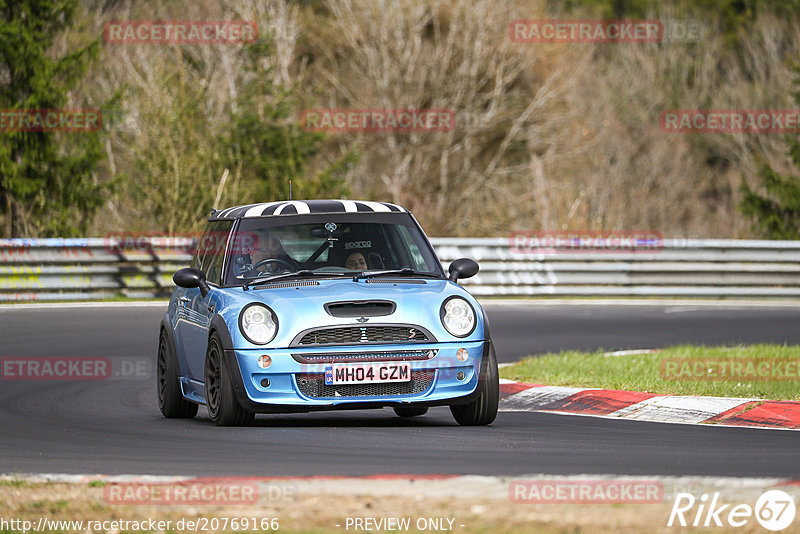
{"points": [[536, 397], [679, 409]]}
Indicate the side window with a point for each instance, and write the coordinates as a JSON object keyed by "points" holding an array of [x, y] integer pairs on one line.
{"points": [[200, 249], [211, 250]]}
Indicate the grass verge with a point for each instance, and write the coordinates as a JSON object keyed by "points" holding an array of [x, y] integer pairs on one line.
{"points": [[763, 371]]}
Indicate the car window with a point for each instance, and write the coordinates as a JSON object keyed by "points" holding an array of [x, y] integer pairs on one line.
{"points": [[329, 244], [210, 255], [298, 243], [419, 261]]}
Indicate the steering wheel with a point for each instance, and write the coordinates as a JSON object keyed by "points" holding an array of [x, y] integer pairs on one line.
{"points": [[289, 266]]}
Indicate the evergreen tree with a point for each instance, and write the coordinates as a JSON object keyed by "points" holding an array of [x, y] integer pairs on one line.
{"points": [[271, 147], [48, 185], [183, 150], [777, 212]]}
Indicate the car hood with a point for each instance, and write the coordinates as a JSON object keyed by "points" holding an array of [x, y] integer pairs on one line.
{"points": [[300, 305]]}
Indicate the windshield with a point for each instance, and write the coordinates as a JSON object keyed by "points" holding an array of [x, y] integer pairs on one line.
{"points": [[336, 245]]}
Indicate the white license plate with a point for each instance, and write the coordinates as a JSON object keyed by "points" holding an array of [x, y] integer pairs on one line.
{"points": [[367, 373]]}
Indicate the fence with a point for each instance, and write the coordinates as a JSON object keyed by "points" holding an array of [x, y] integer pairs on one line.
{"points": [[97, 268]]}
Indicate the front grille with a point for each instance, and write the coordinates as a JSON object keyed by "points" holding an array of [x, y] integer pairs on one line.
{"points": [[313, 385], [382, 356], [353, 335]]}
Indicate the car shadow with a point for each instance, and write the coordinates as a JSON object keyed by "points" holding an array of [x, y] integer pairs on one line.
{"points": [[386, 418]]}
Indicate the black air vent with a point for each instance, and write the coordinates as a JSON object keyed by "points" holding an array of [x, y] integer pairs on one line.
{"points": [[360, 308], [401, 281], [299, 283]]}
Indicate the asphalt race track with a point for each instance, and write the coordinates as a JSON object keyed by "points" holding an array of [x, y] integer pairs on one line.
{"points": [[114, 426], [520, 330]]}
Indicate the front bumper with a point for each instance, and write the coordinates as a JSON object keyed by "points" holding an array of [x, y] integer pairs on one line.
{"points": [[435, 380]]}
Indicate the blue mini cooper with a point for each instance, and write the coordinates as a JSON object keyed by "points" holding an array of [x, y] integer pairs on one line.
{"points": [[294, 306]]}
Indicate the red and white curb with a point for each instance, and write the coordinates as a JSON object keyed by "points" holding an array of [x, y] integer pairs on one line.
{"points": [[727, 411]]}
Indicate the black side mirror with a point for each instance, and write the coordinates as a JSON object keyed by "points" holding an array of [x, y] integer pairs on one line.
{"points": [[190, 278], [462, 268]]}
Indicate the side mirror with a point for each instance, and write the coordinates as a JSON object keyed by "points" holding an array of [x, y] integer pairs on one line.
{"points": [[190, 278], [462, 268]]}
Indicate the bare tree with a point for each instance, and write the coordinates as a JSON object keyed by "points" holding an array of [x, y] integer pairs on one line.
{"points": [[546, 136], [447, 55]]}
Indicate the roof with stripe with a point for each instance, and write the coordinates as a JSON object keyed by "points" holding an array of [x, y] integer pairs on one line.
{"points": [[301, 207]]}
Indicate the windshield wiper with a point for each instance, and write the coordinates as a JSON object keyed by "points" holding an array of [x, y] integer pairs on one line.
{"points": [[404, 272], [303, 272]]}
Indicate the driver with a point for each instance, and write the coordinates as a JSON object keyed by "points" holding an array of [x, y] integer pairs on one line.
{"points": [[266, 247]]}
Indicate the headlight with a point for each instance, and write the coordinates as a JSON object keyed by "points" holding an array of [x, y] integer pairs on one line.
{"points": [[258, 324], [458, 317]]}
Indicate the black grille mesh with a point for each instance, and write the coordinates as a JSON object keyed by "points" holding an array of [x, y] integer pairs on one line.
{"points": [[353, 335], [313, 385], [384, 356]]}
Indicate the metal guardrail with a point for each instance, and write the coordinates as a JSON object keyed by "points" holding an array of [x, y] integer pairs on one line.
{"points": [[716, 268], [90, 268], [97, 268]]}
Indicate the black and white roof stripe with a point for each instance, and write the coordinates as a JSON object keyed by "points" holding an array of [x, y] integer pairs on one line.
{"points": [[301, 207]]}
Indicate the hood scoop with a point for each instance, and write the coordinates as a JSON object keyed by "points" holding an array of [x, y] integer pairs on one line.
{"points": [[360, 308]]}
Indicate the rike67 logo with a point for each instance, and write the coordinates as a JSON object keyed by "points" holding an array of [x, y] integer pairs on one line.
{"points": [[774, 510]]}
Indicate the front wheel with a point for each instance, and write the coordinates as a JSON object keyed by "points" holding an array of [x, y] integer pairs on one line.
{"points": [[482, 410], [223, 408]]}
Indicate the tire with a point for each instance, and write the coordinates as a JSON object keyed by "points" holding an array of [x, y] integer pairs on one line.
{"points": [[170, 398], [223, 408], [410, 411], [482, 410]]}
